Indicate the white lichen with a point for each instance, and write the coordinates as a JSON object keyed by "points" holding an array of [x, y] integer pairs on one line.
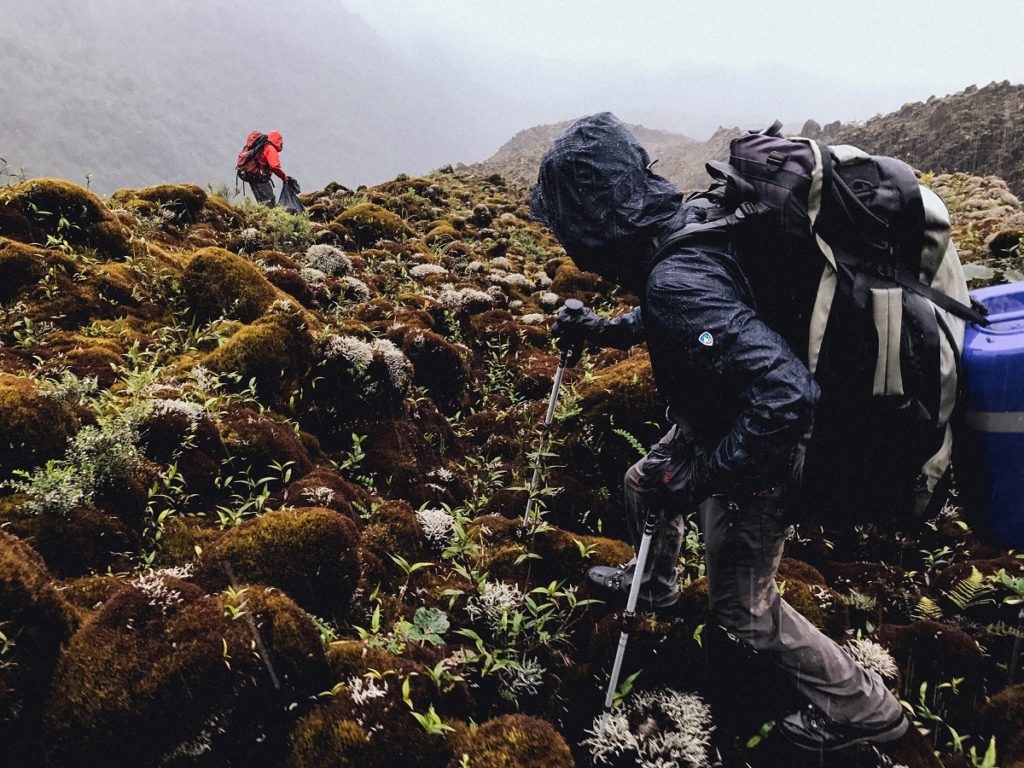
{"points": [[313, 275], [534, 318], [191, 412], [495, 599], [549, 300], [356, 352], [327, 259], [355, 288], [425, 270], [463, 298], [654, 729], [153, 584], [437, 524], [364, 689], [873, 656]]}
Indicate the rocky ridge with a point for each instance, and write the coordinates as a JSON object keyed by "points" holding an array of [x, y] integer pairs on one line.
{"points": [[977, 131]]}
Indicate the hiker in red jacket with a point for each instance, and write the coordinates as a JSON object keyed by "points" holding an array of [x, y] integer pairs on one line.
{"points": [[258, 160]]}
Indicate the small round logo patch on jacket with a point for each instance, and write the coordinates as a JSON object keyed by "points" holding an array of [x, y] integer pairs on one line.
{"points": [[706, 339]]}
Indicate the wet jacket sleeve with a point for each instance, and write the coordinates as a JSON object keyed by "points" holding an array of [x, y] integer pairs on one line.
{"points": [[698, 305], [274, 162], [622, 332]]}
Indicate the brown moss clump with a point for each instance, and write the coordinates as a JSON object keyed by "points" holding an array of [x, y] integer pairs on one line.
{"points": [[515, 740], [20, 266], [1004, 714], [82, 540], [324, 488], [275, 351], [369, 223], [256, 442], [219, 283], [439, 366], [377, 732], [34, 209], [393, 530], [33, 428], [570, 282], [560, 554], [311, 553], [184, 200], [36, 621], [161, 668]]}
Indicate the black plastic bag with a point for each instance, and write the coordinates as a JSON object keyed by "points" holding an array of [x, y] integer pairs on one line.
{"points": [[289, 200]]}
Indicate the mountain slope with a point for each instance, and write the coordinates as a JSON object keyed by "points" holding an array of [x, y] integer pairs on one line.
{"points": [[978, 131], [136, 92]]}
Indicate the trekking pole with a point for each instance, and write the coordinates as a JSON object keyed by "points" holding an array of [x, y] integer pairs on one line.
{"points": [[629, 617], [573, 307]]}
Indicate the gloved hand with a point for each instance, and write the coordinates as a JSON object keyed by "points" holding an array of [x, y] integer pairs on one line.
{"points": [[675, 471], [574, 327], [293, 184]]}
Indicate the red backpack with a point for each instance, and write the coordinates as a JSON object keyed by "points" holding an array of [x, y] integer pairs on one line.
{"points": [[250, 166]]}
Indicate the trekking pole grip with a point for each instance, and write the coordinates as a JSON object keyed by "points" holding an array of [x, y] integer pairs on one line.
{"points": [[572, 308]]}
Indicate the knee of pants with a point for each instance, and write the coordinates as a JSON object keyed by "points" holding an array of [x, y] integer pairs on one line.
{"points": [[631, 482], [755, 628]]}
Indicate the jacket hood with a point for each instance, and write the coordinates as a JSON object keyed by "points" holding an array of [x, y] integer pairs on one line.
{"points": [[596, 192], [275, 140]]}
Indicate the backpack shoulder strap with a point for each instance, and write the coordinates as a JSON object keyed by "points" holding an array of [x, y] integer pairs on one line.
{"points": [[667, 243]]}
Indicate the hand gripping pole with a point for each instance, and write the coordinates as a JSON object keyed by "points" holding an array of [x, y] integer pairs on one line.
{"points": [[572, 307]]}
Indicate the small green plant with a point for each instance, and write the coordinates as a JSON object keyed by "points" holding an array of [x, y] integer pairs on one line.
{"points": [[762, 733], [234, 602], [624, 689]]}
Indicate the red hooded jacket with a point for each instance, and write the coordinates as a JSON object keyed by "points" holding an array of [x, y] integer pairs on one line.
{"points": [[275, 143]]}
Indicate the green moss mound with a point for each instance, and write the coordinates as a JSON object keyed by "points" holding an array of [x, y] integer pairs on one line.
{"points": [[515, 741], [36, 209], [369, 223], [34, 428], [311, 553], [163, 671], [219, 283], [36, 621], [275, 351]]}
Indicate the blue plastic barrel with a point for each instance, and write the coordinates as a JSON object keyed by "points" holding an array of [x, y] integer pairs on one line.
{"points": [[991, 470]]}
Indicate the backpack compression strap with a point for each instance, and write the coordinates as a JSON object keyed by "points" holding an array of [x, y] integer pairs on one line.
{"points": [[974, 313]]}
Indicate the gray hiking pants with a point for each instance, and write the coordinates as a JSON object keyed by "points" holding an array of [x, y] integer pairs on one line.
{"points": [[743, 542], [263, 191]]}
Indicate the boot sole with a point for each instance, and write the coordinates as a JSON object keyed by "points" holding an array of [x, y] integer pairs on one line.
{"points": [[884, 736]]}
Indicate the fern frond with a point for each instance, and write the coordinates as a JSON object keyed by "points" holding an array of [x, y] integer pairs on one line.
{"points": [[927, 608], [629, 438], [971, 591]]}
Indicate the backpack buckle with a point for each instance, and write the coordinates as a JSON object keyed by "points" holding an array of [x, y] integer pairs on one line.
{"points": [[775, 161], [746, 210]]}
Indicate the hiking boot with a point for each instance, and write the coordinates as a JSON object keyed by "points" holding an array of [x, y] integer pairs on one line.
{"points": [[810, 728], [618, 580]]}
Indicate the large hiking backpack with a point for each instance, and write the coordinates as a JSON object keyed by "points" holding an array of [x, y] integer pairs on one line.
{"points": [[249, 166], [886, 330]]}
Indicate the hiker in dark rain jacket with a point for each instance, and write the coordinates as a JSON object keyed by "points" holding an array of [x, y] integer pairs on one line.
{"points": [[742, 405]]}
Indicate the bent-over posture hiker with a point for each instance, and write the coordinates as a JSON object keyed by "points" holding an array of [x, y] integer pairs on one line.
{"points": [[258, 160], [742, 402]]}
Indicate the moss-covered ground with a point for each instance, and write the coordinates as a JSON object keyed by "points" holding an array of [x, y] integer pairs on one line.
{"points": [[263, 480]]}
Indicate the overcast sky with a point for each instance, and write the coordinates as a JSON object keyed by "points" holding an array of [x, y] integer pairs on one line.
{"points": [[691, 66]]}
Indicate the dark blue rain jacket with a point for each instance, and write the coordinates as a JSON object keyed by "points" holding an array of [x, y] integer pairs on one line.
{"points": [[736, 381]]}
